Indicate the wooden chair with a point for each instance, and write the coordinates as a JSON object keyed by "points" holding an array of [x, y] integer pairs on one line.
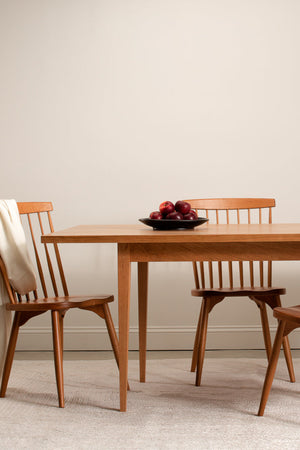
{"points": [[214, 281], [289, 319], [38, 215]]}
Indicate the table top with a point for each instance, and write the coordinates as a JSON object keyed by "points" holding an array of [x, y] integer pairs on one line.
{"points": [[207, 232]]}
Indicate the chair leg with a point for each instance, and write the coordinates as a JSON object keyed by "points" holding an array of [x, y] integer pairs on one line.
{"points": [[10, 352], [271, 367], [287, 351], [288, 358], [265, 328], [58, 355], [202, 340], [196, 342], [112, 333], [61, 327]]}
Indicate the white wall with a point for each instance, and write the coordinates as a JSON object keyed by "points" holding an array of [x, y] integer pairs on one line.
{"points": [[109, 107]]}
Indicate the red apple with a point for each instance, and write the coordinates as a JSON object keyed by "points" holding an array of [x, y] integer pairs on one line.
{"points": [[166, 208], [182, 207], [192, 211], [175, 215], [156, 215], [189, 216]]}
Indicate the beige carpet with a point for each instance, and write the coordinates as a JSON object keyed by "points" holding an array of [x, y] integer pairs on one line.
{"points": [[167, 412]]}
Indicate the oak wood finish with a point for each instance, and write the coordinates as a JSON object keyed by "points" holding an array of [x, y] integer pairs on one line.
{"points": [[288, 320], [138, 243], [32, 304], [220, 279]]}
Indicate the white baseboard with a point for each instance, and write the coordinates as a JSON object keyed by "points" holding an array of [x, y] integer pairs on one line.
{"points": [[158, 338]]}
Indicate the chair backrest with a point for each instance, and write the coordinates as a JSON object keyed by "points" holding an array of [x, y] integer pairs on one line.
{"points": [[36, 220], [233, 274]]}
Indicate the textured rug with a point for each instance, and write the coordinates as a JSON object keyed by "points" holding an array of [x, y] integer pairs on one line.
{"points": [[166, 412]]}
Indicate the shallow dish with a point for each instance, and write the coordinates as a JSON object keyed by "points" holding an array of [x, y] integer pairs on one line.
{"points": [[168, 224]]}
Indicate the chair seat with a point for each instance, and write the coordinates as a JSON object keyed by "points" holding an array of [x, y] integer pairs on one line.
{"points": [[238, 292], [291, 313], [60, 303]]}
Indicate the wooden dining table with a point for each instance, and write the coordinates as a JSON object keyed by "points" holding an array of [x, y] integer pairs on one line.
{"points": [[208, 242]]}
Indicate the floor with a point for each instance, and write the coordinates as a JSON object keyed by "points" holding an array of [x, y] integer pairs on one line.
{"points": [[80, 355]]}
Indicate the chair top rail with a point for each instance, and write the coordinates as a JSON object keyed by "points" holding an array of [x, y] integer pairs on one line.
{"points": [[34, 207], [231, 203]]}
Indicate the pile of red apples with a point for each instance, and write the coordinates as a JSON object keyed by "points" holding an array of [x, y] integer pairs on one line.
{"points": [[181, 210]]}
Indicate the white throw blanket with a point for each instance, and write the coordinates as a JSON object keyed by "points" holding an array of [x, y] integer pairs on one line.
{"points": [[14, 253]]}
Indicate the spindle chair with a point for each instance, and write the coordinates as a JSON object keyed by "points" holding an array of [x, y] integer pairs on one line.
{"points": [[288, 320], [38, 216], [215, 281]]}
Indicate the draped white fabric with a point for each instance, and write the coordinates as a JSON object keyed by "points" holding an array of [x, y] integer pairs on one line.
{"points": [[20, 271]]}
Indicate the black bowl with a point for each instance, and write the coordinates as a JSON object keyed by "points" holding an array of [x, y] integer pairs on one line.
{"points": [[169, 224]]}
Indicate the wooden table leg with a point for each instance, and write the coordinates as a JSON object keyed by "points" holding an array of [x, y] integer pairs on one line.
{"points": [[124, 279], [143, 300]]}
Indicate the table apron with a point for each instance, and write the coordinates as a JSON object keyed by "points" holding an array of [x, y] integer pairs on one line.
{"points": [[221, 251]]}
